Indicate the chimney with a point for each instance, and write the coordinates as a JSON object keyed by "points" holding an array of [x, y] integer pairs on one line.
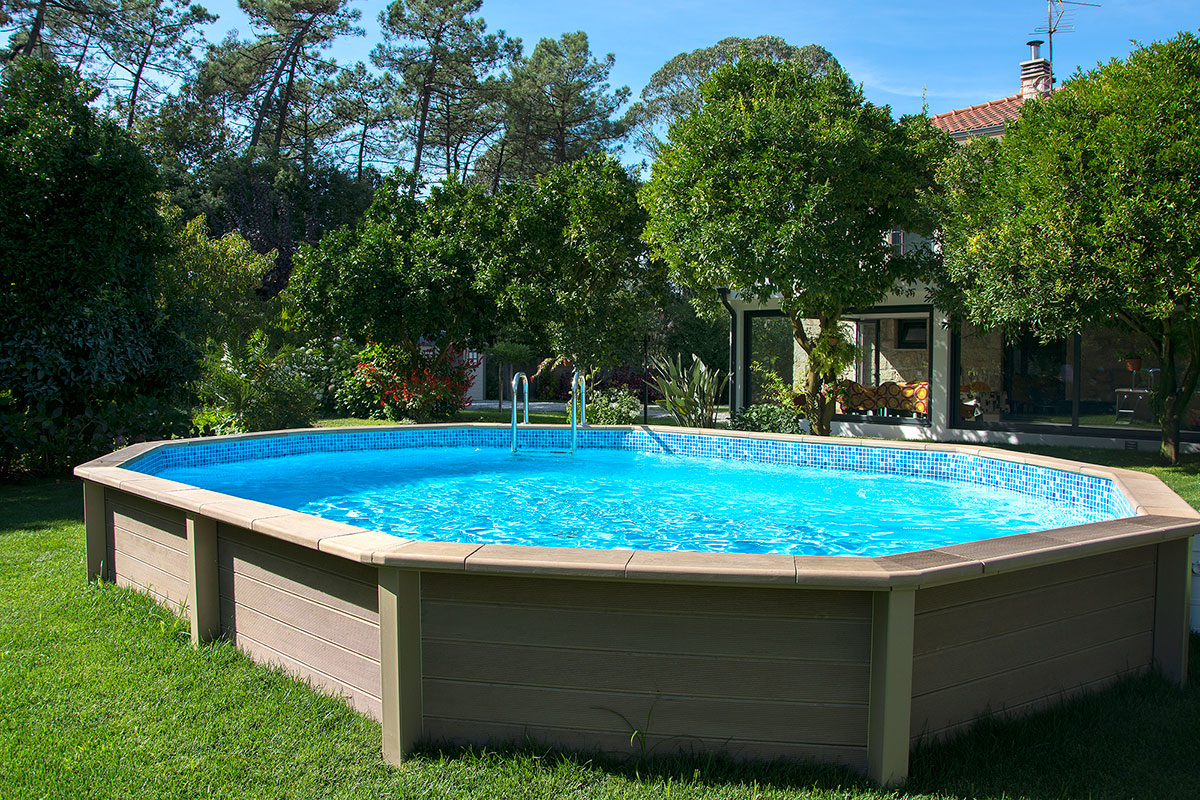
{"points": [[1036, 77]]}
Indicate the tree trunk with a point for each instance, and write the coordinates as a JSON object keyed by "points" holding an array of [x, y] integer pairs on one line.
{"points": [[426, 93], [1169, 447], [137, 82], [292, 46], [35, 30], [284, 102], [362, 149], [499, 166]]}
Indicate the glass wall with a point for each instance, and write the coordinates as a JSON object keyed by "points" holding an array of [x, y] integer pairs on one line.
{"points": [[1015, 378], [890, 379], [769, 342], [1083, 381]]}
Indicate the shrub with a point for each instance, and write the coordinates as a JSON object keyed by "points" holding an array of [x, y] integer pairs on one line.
{"points": [[327, 366], [689, 393], [246, 388], [43, 438], [614, 406], [391, 383], [86, 331], [770, 418]]}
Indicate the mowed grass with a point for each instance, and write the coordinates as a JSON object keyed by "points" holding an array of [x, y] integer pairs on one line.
{"points": [[484, 413], [101, 695]]}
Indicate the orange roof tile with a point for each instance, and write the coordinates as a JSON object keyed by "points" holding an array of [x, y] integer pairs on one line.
{"points": [[984, 115]]}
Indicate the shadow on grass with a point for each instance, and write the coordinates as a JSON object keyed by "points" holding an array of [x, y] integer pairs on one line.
{"points": [[1138, 739], [40, 503], [699, 773]]}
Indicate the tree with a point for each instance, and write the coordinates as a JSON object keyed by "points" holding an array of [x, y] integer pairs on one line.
{"points": [[442, 56], [153, 39], [85, 321], [64, 30], [408, 272], [365, 107], [580, 271], [557, 109], [217, 279], [277, 204], [785, 183], [270, 73], [674, 90], [1088, 213]]}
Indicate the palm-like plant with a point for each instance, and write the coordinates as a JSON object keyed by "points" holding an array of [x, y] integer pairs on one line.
{"points": [[689, 393]]}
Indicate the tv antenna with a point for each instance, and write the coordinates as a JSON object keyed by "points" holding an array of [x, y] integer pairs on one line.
{"points": [[1059, 19]]}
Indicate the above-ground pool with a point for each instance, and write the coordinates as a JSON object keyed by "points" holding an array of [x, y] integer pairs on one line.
{"points": [[632, 490], [660, 589]]}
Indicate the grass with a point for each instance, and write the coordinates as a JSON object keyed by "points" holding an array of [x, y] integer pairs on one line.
{"points": [[102, 696], [485, 414]]}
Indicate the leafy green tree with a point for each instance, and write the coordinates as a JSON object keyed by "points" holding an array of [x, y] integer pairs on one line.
{"points": [[85, 320], [785, 183], [407, 272], [277, 204], [1088, 213], [580, 272], [674, 90], [218, 279]]}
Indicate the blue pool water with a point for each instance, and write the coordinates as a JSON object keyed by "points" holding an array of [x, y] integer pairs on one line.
{"points": [[622, 499]]}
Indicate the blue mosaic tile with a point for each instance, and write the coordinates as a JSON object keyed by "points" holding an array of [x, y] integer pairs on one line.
{"points": [[1097, 496]]}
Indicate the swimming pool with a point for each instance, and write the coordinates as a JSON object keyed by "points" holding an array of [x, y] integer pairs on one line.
{"points": [[758, 655], [630, 490]]}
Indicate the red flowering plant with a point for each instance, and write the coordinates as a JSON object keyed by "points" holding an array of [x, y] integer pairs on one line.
{"points": [[427, 384]]}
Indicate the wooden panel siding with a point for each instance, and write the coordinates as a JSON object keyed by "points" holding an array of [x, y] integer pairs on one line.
{"points": [[313, 614], [147, 547], [757, 673], [1022, 640]]}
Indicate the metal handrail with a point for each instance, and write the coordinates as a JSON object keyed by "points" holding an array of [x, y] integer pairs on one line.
{"points": [[519, 378], [578, 381]]}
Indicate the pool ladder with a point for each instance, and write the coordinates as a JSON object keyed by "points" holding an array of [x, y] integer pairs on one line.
{"points": [[577, 382]]}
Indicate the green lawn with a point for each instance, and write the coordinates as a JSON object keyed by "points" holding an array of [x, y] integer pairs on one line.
{"points": [[102, 696], [486, 412]]}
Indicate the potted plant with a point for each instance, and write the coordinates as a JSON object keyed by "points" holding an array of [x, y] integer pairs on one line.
{"points": [[1133, 360]]}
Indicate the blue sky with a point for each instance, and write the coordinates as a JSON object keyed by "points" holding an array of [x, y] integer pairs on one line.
{"points": [[955, 53]]}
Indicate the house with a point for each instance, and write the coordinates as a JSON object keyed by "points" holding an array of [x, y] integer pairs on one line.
{"points": [[920, 376]]}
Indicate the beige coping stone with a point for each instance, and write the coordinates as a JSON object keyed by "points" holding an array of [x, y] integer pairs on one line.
{"points": [[928, 567], [1150, 493], [366, 547], [569, 561], [109, 476], [1019, 551], [235, 510], [154, 488], [963, 449], [189, 499], [302, 529], [429, 555], [712, 567], [1137, 530], [841, 571]]}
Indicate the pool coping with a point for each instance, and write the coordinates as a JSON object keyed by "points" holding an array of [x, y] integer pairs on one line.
{"points": [[1160, 516]]}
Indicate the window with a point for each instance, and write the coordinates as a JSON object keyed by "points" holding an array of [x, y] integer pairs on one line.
{"points": [[912, 334]]}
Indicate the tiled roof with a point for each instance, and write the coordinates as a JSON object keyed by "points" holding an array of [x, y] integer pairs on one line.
{"points": [[984, 115]]}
